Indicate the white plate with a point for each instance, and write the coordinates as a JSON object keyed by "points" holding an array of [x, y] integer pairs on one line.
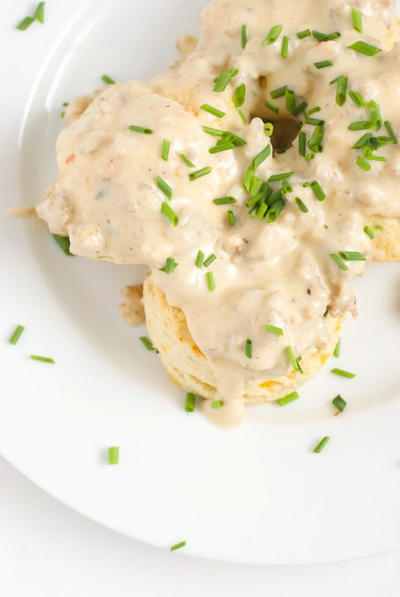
{"points": [[252, 494]]}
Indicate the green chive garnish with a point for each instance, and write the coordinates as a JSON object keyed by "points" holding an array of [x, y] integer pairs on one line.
{"points": [[302, 140], [210, 260], [285, 47], [231, 218], [64, 244], [352, 256], [282, 176], [313, 110], [301, 205], [364, 140], [336, 352], [341, 89], [390, 131], [243, 117], [190, 403], [39, 12], [369, 232], [212, 110], [357, 20], [186, 160], [262, 156], [169, 266], [25, 23], [363, 48], [224, 201], [199, 259], [165, 147], [272, 35], [290, 100], [169, 213], [273, 329], [277, 93], [339, 403], [213, 132], [107, 80], [178, 546], [244, 36], [323, 63], [164, 187], [303, 34], [140, 129], [336, 258], [113, 455], [360, 125], [357, 99], [248, 348], [148, 344], [16, 335], [199, 173], [239, 97], [224, 78], [318, 190], [210, 281], [35, 357], [326, 36], [217, 404], [363, 164], [272, 107], [315, 143], [343, 373], [288, 399], [291, 357], [321, 445]]}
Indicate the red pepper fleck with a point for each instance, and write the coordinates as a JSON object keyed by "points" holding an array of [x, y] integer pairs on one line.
{"points": [[70, 158]]}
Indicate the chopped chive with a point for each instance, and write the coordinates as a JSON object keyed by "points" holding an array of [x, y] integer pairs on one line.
{"points": [[315, 142], [288, 399], [352, 256], [339, 403], [165, 147], [336, 258], [301, 205], [336, 352], [190, 402], [186, 160], [301, 370], [357, 20], [363, 48], [148, 343], [224, 78], [321, 445], [217, 404], [248, 348], [261, 156], [212, 110], [244, 36], [272, 35], [323, 63], [357, 99], [210, 260], [362, 141], [273, 329], [224, 201], [285, 47], [341, 89], [107, 80], [140, 129], [303, 34], [390, 131], [210, 281], [39, 12], [16, 335], [275, 210], [178, 546], [313, 110], [290, 100], [360, 125], [268, 129], [64, 244], [279, 92], [314, 121], [199, 173], [243, 117], [375, 114], [318, 190], [363, 164], [164, 187], [326, 36], [282, 176], [239, 96], [113, 455], [199, 259], [25, 23], [213, 132], [302, 140], [291, 357], [369, 232], [271, 107], [343, 373], [35, 357], [169, 213], [231, 218], [169, 266]]}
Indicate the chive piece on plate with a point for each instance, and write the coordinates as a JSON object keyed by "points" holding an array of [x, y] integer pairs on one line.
{"points": [[147, 343], [177, 546], [224, 78], [321, 445], [35, 357], [16, 335], [343, 373], [113, 455], [25, 23], [64, 244], [190, 402], [107, 80], [38, 15], [336, 352], [339, 403], [288, 399]]}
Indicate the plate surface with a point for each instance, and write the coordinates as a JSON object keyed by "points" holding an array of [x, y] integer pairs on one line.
{"points": [[252, 494]]}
